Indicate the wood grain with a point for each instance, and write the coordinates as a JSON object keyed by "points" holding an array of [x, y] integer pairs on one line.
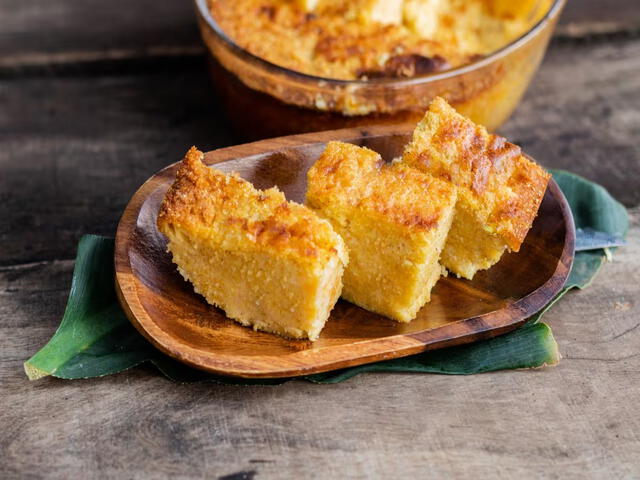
{"points": [[581, 112], [588, 18], [73, 151], [67, 31], [165, 309]]}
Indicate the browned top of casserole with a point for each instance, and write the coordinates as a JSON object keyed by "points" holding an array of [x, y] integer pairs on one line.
{"points": [[360, 39]]}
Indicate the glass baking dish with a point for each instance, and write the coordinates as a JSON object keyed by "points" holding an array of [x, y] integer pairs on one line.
{"points": [[264, 100]]}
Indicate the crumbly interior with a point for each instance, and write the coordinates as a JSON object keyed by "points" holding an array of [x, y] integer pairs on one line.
{"points": [[469, 247], [257, 289], [372, 38], [391, 272], [499, 189], [270, 264], [394, 221]]}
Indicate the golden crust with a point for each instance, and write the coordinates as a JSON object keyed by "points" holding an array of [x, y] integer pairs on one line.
{"points": [[350, 175], [371, 38], [494, 178], [231, 211], [394, 220]]}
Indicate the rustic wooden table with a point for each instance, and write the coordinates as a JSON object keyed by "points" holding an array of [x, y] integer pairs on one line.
{"points": [[96, 96]]}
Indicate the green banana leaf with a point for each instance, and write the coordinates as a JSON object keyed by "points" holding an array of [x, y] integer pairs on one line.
{"points": [[96, 339], [592, 207]]}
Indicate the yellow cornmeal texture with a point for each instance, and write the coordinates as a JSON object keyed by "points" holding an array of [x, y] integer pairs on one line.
{"points": [[499, 189], [345, 39], [268, 263], [394, 221]]}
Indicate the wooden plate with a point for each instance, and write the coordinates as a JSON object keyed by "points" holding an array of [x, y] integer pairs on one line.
{"points": [[165, 309]]}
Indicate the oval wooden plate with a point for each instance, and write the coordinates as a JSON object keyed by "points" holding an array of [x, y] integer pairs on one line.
{"points": [[165, 309]]}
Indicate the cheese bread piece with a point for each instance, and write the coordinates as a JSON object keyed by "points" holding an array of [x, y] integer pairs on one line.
{"points": [[499, 189], [268, 263], [394, 220]]}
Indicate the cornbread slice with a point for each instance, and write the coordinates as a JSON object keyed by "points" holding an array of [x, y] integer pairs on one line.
{"points": [[268, 263], [499, 189], [394, 220]]}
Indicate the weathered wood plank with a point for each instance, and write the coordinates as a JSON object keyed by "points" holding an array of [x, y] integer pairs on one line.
{"points": [[582, 113], [36, 33], [583, 18], [67, 31], [578, 420], [73, 150]]}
